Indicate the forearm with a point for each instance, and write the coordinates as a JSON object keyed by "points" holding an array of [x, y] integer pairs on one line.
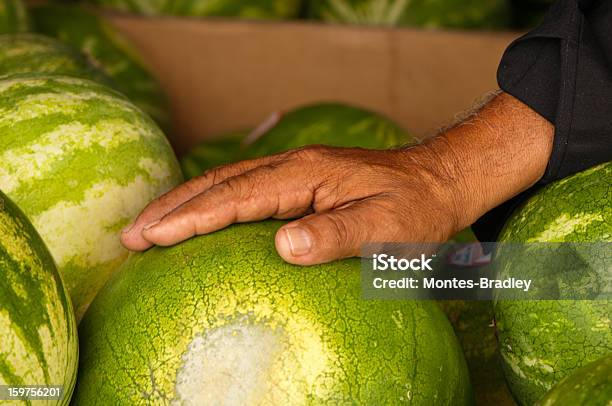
{"points": [[496, 153]]}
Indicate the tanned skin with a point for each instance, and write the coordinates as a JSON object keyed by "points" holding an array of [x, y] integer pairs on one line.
{"points": [[341, 198]]}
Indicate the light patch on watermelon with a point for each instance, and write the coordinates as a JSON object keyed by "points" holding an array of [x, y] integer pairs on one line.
{"points": [[61, 225], [208, 374], [157, 170], [35, 160], [538, 363], [44, 104], [246, 362], [602, 326], [565, 225]]}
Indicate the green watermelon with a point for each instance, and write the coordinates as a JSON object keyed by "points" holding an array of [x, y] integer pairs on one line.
{"points": [[212, 153], [249, 9], [543, 341], [32, 53], [424, 13], [81, 161], [590, 385], [222, 319], [108, 50], [38, 335], [13, 17], [473, 325], [331, 124]]}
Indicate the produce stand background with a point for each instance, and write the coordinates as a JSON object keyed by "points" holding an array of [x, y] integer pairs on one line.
{"points": [[226, 75]]}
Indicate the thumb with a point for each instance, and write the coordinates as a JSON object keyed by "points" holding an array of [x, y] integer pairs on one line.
{"points": [[324, 237]]}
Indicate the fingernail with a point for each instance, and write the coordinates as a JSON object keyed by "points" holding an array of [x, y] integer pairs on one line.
{"points": [[127, 228], [151, 224], [299, 241]]}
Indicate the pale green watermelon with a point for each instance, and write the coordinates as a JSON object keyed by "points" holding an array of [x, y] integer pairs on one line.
{"points": [[32, 53], [590, 385], [38, 336], [13, 17], [331, 124], [212, 153], [108, 50], [81, 161], [249, 9], [222, 319], [424, 13], [543, 341]]}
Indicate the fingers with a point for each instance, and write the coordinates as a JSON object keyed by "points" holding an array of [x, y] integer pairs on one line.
{"points": [[131, 237], [266, 191], [324, 237]]}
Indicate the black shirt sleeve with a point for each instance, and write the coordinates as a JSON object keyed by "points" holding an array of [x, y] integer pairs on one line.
{"points": [[563, 70]]}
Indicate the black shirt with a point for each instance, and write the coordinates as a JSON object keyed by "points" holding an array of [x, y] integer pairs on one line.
{"points": [[563, 70]]}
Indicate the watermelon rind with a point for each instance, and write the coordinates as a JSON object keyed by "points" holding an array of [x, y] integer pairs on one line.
{"points": [[24, 54], [212, 153], [38, 333], [543, 341], [222, 319], [463, 14], [332, 124], [107, 49], [246, 9], [81, 161], [590, 385]]}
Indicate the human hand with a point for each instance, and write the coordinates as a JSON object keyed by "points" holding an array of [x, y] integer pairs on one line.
{"points": [[347, 196], [343, 197]]}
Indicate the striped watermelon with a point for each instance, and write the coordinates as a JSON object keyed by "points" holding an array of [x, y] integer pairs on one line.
{"points": [[81, 161], [543, 341], [424, 13], [108, 50], [332, 124], [38, 338], [250, 9], [221, 319], [13, 17], [32, 53]]}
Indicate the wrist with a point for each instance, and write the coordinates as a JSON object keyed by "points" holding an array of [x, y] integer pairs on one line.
{"points": [[498, 152]]}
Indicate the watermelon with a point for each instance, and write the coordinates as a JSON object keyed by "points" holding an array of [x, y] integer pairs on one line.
{"points": [[81, 161], [331, 124], [543, 341], [590, 385], [13, 17], [32, 53], [490, 14], [249, 9], [222, 319], [212, 153], [38, 332], [473, 324], [108, 50]]}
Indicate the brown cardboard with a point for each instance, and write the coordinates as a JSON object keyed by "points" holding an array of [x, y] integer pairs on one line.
{"points": [[224, 75]]}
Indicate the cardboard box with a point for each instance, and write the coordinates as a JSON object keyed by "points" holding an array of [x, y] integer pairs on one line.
{"points": [[227, 75]]}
